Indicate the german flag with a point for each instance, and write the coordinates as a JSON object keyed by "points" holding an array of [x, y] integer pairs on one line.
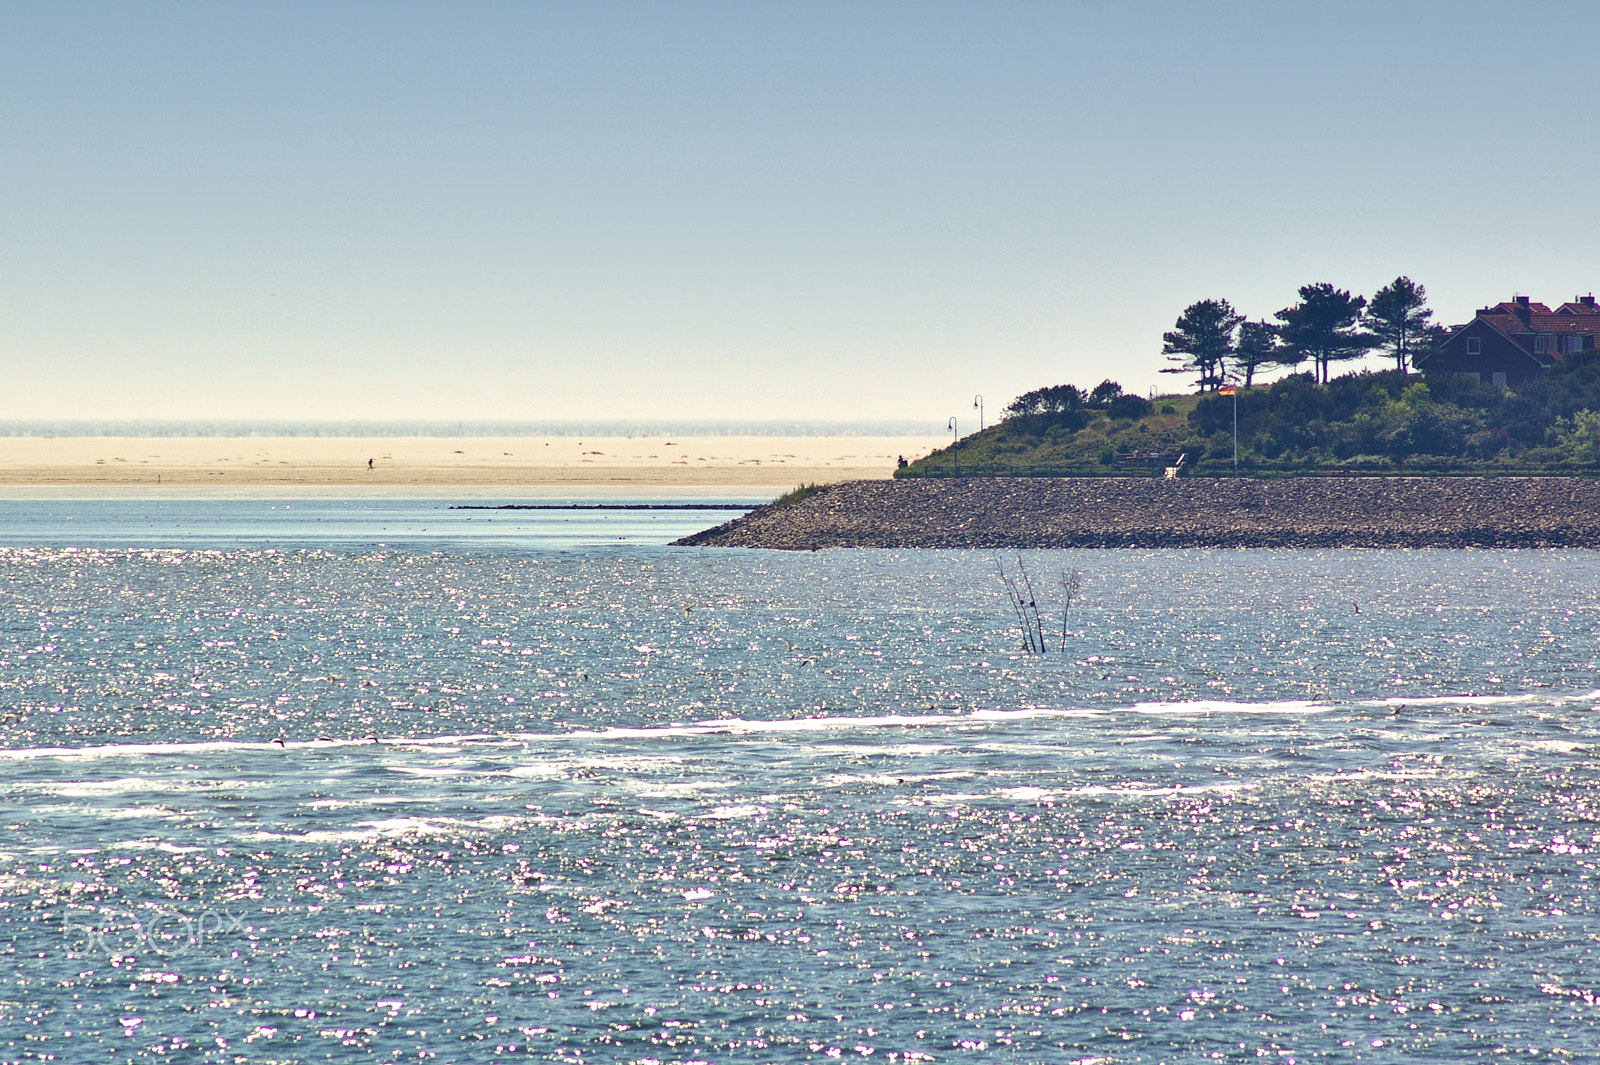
{"points": [[1225, 390]]}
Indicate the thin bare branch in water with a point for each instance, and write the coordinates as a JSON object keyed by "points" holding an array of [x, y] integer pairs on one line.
{"points": [[1071, 585], [1014, 597], [1019, 606], [1036, 632]]}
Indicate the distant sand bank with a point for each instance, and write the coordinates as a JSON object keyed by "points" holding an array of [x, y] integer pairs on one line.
{"points": [[436, 463]]}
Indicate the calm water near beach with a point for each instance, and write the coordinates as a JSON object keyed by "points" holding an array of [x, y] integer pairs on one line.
{"points": [[373, 781]]}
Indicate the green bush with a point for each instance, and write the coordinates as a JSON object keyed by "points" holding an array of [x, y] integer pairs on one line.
{"points": [[1125, 408], [1578, 437], [1373, 421]]}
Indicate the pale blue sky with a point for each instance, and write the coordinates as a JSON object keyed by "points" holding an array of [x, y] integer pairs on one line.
{"points": [[700, 210]]}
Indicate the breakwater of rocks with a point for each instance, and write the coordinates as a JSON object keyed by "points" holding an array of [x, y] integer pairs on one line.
{"points": [[1028, 512]]}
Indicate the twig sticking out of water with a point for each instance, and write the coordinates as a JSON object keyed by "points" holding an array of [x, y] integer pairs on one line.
{"points": [[1011, 592], [1017, 607], [1036, 634], [1071, 585], [1025, 606]]}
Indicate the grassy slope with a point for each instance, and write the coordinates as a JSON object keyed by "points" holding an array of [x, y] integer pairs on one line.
{"points": [[1005, 447]]}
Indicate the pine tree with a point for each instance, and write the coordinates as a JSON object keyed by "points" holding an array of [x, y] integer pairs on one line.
{"points": [[1399, 316], [1257, 347], [1202, 341], [1325, 327]]}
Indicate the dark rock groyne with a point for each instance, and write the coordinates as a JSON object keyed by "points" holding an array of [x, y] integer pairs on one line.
{"points": [[1304, 512]]}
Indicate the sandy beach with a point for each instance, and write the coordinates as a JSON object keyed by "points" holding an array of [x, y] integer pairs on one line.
{"points": [[751, 464]]}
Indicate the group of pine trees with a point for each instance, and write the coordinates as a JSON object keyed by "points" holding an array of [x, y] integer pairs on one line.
{"points": [[1328, 325]]}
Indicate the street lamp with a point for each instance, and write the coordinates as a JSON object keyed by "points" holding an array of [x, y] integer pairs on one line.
{"points": [[977, 401], [955, 444]]}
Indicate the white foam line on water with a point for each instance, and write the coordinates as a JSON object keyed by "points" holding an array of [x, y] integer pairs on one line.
{"points": [[443, 744], [742, 726], [1363, 776], [1486, 700], [1141, 791], [753, 727], [719, 727], [102, 789], [750, 727], [393, 827], [1224, 706]]}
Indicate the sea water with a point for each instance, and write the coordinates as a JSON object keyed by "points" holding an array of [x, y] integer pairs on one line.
{"points": [[282, 790]]}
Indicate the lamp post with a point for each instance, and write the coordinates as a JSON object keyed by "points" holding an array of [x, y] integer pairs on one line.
{"points": [[955, 444], [977, 401]]}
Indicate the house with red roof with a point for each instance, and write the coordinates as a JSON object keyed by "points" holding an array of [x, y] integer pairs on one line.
{"points": [[1516, 341]]}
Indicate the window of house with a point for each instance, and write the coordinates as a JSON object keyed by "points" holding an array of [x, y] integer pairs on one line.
{"points": [[1474, 345], [1541, 344], [1498, 380], [1570, 344]]}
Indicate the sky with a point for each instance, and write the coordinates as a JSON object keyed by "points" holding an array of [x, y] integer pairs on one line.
{"points": [[747, 211]]}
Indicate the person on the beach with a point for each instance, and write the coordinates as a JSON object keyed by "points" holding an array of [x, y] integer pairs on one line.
{"points": [[369, 464]]}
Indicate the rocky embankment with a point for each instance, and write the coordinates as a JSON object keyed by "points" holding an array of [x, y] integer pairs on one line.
{"points": [[1024, 512]]}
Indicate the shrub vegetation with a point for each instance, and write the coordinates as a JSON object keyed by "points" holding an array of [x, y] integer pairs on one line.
{"points": [[1388, 421]]}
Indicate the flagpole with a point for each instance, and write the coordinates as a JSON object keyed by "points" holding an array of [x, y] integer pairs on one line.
{"points": [[1232, 390]]}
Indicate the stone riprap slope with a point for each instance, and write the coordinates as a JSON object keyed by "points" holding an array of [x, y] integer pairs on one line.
{"points": [[1194, 512]]}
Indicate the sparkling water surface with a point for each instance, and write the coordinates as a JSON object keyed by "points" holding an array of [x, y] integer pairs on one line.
{"points": [[342, 789]]}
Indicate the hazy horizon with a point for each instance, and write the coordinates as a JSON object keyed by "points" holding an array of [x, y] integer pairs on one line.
{"points": [[379, 428]]}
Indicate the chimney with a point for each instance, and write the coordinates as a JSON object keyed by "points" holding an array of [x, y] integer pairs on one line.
{"points": [[1587, 301], [1522, 301]]}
